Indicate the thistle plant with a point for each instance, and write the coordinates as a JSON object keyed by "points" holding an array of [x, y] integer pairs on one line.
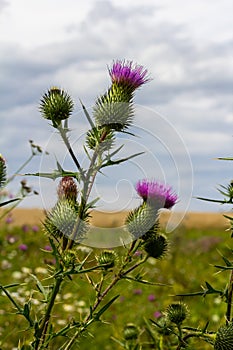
{"points": [[68, 223], [172, 331]]}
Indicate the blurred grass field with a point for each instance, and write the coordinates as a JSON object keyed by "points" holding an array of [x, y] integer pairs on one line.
{"points": [[195, 246]]}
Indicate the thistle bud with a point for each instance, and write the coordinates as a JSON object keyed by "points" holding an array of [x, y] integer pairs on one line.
{"points": [[141, 220], [56, 105], [224, 338], [107, 258], [62, 219], [69, 258], [131, 332], [67, 189], [177, 313], [156, 246], [164, 326], [93, 139], [114, 109]]}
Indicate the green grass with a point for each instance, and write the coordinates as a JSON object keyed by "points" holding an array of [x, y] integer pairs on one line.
{"points": [[188, 265]]}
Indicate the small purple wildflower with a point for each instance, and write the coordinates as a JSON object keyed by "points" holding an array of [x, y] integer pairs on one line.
{"points": [[137, 291], [151, 297], [154, 190], [35, 228], [23, 247], [9, 219], [25, 228], [48, 248], [129, 74], [157, 314]]}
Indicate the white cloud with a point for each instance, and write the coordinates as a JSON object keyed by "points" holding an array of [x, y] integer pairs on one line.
{"points": [[186, 47]]}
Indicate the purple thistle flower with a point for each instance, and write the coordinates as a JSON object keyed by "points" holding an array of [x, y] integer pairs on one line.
{"points": [[129, 74], [23, 247], [156, 191], [151, 297], [67, 189]]}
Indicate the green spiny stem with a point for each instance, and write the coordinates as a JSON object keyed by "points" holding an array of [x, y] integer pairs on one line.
{"points": [[229, 299], [40, 335], [11, 178], [101, 296], [88, 183], [20, 310], [68, 145], [198, 334]]}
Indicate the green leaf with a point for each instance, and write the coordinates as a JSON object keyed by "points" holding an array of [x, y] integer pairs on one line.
{"points": [[212, 200], [115, 162], [149, 330], [56, 174], [92, 203], [205, 327], [209, 290], [224, 267], [105, 307], [115, 152], [227, 262], [26, 310], [11, 285], [88, 116], [10, 201], [118, 342], [86, 151], [225, 158], [40, 287], [59, 167], [228, 217], [139, 280]]}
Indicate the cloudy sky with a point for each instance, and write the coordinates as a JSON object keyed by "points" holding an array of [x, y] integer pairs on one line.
{"points": [[183, 116]]}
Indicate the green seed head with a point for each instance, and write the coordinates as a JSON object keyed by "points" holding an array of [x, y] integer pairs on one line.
{"points": [[164, 326], [224, 338], [141, 220], [56, 105], [131, 332], [107, 258], [177, 313], [69, 258], [156, 246]]}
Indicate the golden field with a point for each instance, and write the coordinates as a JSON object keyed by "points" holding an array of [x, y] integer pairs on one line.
{"points": [[202, 220]]}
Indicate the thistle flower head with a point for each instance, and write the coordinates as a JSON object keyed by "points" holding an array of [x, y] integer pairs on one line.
{"points": [[56, 105], [155, 191], [156, 246], [107, 258], [128, 74], [224, 338], [177, 313], [141, 220], [67, 189], [131, 332]]}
